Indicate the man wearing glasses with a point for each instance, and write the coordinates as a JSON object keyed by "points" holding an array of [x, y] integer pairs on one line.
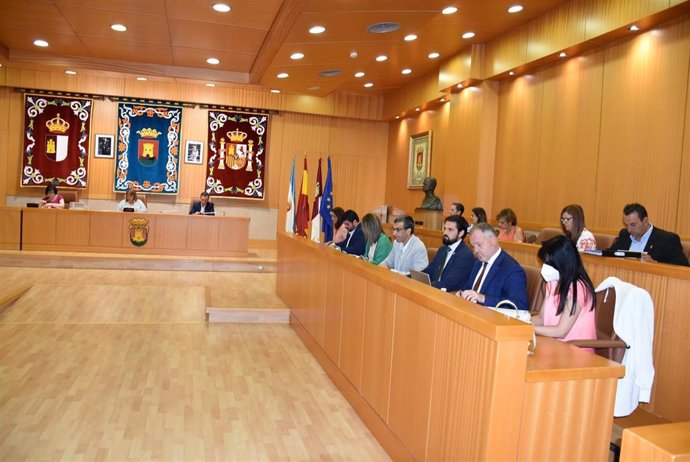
{"points": [[408, 251]]}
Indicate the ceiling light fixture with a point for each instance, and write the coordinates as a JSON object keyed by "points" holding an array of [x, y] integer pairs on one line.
{"points": [[633, 28], [563, 54], [410, 37], [515, 9], [222, 8], [353, 54], [210, 85], [283, 75], [417, 109], [275, 90], [40, 43], [368, 85], [297, 56], [118, 27], [511, 73], [468, 35], [381, 58], [397, 117], [433, 55], [443, 100], [314, 88], [213, 61], [317, 30], [406, 71], [449, 10], [142, 79], [68, 72], [459, 85], [359, 75]]}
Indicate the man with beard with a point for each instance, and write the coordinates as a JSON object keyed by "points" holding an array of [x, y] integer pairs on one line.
{"points": [[454, 260]]}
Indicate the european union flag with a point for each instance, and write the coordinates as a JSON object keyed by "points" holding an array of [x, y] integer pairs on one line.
{"points": [[327, 206]]}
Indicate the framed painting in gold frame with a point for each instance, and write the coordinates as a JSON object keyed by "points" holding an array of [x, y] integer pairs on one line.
{"points": [[419, 162]]}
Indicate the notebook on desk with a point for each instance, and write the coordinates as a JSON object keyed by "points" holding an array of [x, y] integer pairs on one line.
{"points": [[421, 277], [616, 253]]}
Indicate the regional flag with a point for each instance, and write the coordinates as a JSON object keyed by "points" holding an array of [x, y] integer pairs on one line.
{"points": [[303, 203], [327, 206], [315, 215], [290, 214]]}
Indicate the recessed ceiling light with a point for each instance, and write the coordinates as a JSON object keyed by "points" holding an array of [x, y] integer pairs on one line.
{"points": [[417, 109], [314, 87], [40, 43], [368, 85], [381, 58], [406, 71], [449, 10], [459, 85], [118, 27], [142, 79], [71, 72], [213, 61], [511, 73], [468, 35], [397, 117], [359, 75], [222, 8], [283, 75], [297, 56], [515, 9], [633, 28], [410, 37], [433, 55], [353, 54], [443, 100], [210, 84], [317, 30], [563, 54], [275, 90]]}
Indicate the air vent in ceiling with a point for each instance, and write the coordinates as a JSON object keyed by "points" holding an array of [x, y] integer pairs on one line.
{"points": [[383, 27]]}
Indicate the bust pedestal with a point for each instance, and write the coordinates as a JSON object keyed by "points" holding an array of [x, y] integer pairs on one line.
{"points": [[430, 219]]}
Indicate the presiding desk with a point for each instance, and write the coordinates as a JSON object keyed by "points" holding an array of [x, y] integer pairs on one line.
{"points": [[136, 233], [10, 228], [435, 377]]}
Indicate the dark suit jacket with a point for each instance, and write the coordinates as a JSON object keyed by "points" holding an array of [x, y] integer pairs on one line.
{"points": [[456, 272], [196, 207], [662, 246], [356, 243], [506, 281]]}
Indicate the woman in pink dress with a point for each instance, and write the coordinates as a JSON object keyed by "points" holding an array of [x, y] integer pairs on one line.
{"points": [[568, 309], [52, 200]]}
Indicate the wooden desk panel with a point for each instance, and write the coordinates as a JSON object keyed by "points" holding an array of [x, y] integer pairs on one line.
{"points": [[10, 228], [96, 231], [666, 442], [440, 378]]}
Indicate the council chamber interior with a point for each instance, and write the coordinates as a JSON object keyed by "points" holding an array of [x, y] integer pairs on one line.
{"points": [[558, 102]]}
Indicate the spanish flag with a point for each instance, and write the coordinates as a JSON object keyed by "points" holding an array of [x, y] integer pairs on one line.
{"points": [[303, 203]]}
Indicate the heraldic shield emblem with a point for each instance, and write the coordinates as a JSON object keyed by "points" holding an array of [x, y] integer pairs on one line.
{"points": [[57, 142], [138, 231], [236, 154], [147, 152]]}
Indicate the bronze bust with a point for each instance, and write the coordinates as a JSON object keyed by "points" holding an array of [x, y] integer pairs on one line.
{"points": [[431, 201]]}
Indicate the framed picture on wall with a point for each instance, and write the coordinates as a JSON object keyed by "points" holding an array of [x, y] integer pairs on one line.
{"points": [[104, 146], [194, 152], [419, 163]]}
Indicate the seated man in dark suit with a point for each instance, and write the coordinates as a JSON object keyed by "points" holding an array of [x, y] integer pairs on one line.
{"points": [[355, 242], [453, 262], [496, 276], [639, 235], [202, 206]]}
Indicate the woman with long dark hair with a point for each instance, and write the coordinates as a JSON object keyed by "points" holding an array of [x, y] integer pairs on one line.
{"points": [[573, 226], [568, 309]]}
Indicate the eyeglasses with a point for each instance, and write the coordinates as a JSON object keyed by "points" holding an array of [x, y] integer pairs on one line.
{"points": [[566, 219], [398, 230]]}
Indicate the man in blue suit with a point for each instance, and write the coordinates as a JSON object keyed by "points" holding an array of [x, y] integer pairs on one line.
{"points": [[453, 262], [496, 275], [202, 206], [355, 242]]}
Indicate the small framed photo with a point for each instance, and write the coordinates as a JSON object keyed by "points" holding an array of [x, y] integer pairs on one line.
{"points": [[194, 152], [419, 163], [104, 146]]}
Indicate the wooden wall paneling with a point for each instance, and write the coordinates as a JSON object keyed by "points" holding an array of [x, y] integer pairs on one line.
{"points": [[506, 52], [192, 176], [106, 229], [544, 426], [556, 30], [682, 225], [517, 146], [72, 228], [414, 336], [646, 127], [102, 171], [603, 17], [569, 137], [672, 334], [10, 228], [314, 316], [352, 332], [377, 347], [334, 311], [15, 147], [4, 136], [39, 226], [459, 417]]}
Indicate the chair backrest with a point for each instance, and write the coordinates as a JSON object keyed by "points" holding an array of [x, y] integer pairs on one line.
{"points": [[547, 233], [535, 288], [142, 197], [686, 248], [606, 305], [604, 241], [69, 195], [431, 252]]}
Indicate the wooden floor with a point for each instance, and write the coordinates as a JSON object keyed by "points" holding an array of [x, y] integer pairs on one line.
{"points": [[122, 365]]}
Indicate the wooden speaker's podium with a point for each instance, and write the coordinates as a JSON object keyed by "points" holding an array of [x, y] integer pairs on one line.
{"points": [[430, 219]]}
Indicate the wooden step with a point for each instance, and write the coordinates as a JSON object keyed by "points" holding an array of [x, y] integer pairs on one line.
{"points": [[249, 315]]}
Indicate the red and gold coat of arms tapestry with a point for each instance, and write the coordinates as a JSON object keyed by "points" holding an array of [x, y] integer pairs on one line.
{"points": [[236, 162], [56, 141]]}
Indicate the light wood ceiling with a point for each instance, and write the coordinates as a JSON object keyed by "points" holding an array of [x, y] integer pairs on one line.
{"points": [[171, 39]]}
